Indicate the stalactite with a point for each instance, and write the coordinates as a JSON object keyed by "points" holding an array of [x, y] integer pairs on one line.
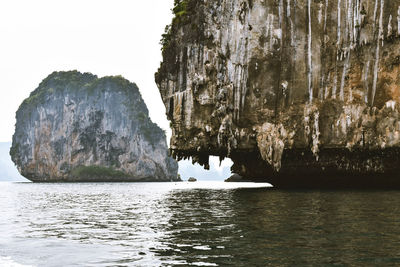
{"points": [[321, 89], [326, 14], [349, 22], [243, 88], [334, 88], [339, 20], [323, 84], [345, 69], [315, 136], [375, 14], [398, 21], [309, 55], [365, 81], [376, 66], [326, 95], [291, 9], [356, 21], [390, 28], [289, 14], [271, 140]]}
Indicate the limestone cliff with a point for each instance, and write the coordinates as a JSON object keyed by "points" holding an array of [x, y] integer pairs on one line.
{"points": [[294, 91], [78, 127]]}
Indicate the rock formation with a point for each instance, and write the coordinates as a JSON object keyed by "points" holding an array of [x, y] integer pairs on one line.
{"points": [[78, 127], [192, 179], [236, 178], [296, 93]]}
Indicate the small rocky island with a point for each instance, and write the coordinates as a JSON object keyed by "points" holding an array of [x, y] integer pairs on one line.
{"points": [[296, 93], [76, 127]]}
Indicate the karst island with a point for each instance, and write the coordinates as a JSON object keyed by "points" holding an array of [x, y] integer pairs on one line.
{"points": [[296, 93], [77, 127]]}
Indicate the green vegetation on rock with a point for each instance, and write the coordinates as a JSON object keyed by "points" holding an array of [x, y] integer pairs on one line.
{"points": [[58, 81], [180, 11], [74, 80], [152, 133], [97, 172], [118, 81]]}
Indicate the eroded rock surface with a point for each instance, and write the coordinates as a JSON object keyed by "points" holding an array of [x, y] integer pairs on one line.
{"points": [[294, 92], [78, 127]]}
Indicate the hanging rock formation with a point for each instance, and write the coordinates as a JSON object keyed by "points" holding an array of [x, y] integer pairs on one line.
{"points": [[79, 128], [296, 93]]}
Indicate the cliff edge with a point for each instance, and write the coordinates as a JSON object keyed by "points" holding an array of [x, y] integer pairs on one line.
{"points": [[296, 93], [76, 127]]}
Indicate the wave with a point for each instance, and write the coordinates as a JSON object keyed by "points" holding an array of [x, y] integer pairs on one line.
{"points": [[8, 262]]}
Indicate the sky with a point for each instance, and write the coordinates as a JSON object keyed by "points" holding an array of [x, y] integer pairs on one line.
{"points": [[118, 37], [104, 37]]}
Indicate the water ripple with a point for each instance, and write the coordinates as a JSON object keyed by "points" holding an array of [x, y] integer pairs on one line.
{"points": [[193, 224]]}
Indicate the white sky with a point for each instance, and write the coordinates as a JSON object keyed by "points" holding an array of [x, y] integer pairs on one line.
{"points": [[104, 37]]}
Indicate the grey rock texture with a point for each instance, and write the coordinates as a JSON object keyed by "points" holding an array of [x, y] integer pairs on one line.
{"points": [[78, 127], [295, 92]]}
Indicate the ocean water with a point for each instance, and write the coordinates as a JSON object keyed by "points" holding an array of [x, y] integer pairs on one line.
{"points": [[195, 224]]}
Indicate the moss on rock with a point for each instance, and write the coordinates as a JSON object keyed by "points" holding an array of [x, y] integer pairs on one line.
{"points": [[97, 172]]}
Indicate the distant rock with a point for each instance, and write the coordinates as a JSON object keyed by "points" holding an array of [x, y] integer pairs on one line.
{"points": [[216, 172], [236, 178], [76, 127], [192, 179]]}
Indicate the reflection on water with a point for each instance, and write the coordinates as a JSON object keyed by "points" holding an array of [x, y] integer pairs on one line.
{"points": [[258, 227], [171, 224]]}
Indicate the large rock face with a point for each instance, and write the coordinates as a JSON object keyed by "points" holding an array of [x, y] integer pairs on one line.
{"points": [[77, 127], [294, 92]]}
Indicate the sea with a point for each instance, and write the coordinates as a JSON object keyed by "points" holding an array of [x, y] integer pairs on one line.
{"points": [[195, 224]]}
